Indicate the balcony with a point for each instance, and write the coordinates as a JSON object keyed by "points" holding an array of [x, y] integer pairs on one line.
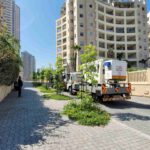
{"points": [[101, 26], [132, 56], [101, 36], [110, 38], [109, 11], [110, 20], [130, 13], [120, 30], [101, 54], [119, 13], [110, 46], [120, 21], [130, 30], [131, 47], [131, 38], [101, 45], [110, 29], [124, 4], [100, 8], [101, 17], [120, 47], [130, 21], [120, 38]]}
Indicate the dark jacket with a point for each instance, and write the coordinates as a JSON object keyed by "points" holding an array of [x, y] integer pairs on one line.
{"points": [[20, 83]]}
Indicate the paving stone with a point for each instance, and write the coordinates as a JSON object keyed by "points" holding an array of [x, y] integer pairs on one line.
{"points": [[30, 123]]}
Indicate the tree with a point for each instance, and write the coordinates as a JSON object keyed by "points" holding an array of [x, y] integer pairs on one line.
{"points": [[88, 66], [48, 74], [76, 49], [10, 60], [120, 56], [59, 83], [34, 76], [144, 61]]}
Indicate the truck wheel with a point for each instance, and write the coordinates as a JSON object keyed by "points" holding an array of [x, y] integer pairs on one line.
{"points": [[70, 90]]}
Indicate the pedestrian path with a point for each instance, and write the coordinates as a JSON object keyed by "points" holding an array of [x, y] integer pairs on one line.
{"points": [[31, 123]]}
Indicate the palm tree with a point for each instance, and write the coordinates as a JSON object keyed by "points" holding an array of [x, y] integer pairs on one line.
{"points": [[76, 49]]}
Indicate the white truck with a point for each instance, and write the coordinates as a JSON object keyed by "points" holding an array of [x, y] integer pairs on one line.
{"points": [[111, 78]]}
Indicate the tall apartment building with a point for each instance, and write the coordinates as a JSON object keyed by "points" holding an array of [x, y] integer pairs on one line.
{"points": [[29, 65], [107, 24], [16, 22], [148, 15], [11, 16]]}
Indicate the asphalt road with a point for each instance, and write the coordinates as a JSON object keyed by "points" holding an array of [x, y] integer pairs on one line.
{"points": [[134, 113]]}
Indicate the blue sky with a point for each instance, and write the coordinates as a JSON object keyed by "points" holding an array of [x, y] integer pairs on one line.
{"points": [[38, 30]]}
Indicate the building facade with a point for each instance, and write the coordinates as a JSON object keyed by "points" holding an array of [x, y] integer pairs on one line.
{"points": [[29, 65], [148, 15], [16, 25], [10, 15], [120, 26]]}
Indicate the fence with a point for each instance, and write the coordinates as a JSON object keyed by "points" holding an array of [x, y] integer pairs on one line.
{"points": [[140, 81]]}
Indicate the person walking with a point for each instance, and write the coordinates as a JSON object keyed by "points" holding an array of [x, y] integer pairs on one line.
{"points": [[20, 84]]}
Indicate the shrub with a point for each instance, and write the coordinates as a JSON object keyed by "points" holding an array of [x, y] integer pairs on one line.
{"points": [[36, 84], [86, 112]]}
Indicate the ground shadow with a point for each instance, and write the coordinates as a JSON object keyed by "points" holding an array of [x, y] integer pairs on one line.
{"points": [[26, 121], [130, 117], [126, 104]]}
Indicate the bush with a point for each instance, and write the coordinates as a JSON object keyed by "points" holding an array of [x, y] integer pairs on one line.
{"points": [[36, 84], [86, 112]]}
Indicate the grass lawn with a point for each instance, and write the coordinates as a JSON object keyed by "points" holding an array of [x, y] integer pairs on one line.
{"points": [[44, 90], [55, 96]]}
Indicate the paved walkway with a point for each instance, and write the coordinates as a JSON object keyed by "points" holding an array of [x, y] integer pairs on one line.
{"points": [[33, 124]]}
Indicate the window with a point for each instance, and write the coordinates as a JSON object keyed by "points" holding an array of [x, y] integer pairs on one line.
{"points": [[81, 34], [80, 6], [90, 33], [90, 5], [81, 25], [143, 8], [81, 43], [91, 24], [81, 15], [91, 14]]}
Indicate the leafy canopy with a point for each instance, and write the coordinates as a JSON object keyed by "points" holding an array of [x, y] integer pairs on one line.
{"points": [[10, 60]]}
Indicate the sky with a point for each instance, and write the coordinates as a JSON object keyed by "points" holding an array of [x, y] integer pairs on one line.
{"points": [[38, 28]]}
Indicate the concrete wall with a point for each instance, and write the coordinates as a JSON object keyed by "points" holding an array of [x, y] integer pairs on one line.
{"points": [[140, 81], [4, 91]]}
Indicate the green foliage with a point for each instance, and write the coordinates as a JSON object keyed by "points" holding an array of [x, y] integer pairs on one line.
{"points": [[89, 54], [37, 84], [59, 83], [76, 49], [86, 112], [88, 67], [34, 76], [10, 60], [55, 96]]}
